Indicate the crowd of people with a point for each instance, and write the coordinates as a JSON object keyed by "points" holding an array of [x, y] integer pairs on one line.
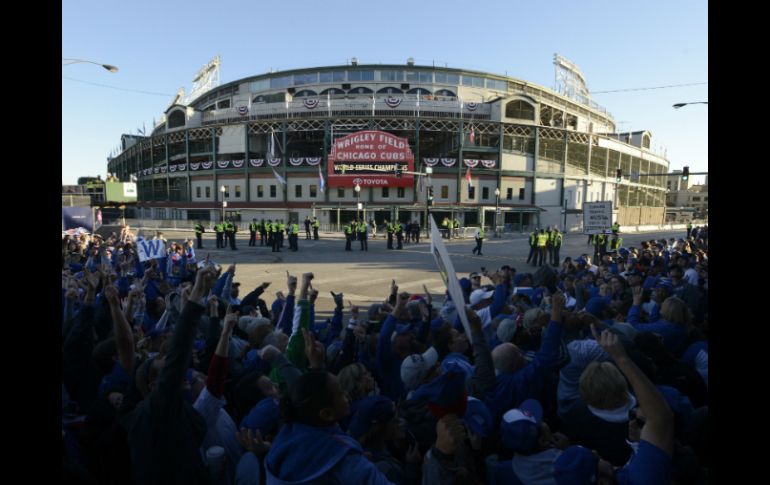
{"points": [[593, 371]]}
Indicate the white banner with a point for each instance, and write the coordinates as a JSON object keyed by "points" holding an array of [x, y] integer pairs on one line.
{"points": [[153, 249], [448, 274], [597, 217]]}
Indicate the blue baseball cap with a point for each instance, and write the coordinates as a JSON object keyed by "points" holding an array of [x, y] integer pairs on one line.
{"points": [[371, 410], [263, 417], [596, 305], [520, 427], [478, 418], [577, 465], [446, 393]]}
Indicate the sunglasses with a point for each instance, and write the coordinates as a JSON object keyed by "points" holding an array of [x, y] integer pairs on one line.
{"points": [[632, 417]]}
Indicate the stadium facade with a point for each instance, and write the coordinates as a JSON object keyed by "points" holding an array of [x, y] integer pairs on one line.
{"points": [[275, 140]]}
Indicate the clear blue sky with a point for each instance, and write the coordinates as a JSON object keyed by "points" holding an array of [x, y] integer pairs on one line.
{"points": [[160, 45]]}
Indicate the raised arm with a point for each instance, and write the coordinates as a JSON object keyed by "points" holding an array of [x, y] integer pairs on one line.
{"points": [[124, 337]]}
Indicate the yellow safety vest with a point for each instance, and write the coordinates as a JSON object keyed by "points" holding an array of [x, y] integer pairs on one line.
{"points": [[541, 240]]}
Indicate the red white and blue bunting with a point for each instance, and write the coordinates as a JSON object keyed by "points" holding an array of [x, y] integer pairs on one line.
{"points": [[273, 162], [488, 163], [471, 106], [430, 161], [448, 162], [310, 103], [313, 161], [181, 167], [237, 163], [393, 102], [243, 110], [223, 163], [256, 162], [471, 162], [172, 168], [207, 165], [156, 170], [296, 161], [195, 166]]}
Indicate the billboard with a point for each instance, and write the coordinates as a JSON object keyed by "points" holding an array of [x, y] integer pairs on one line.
{"points": [[77, 217], [120, 191], [597, 217], [370, 159]]}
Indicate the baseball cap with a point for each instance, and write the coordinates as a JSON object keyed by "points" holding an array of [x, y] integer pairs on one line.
{"points": [[479, 295], [263, 417], [520, 427], [478, 418], [507, 330], [446, 393], [577, 465], [416, 367]]}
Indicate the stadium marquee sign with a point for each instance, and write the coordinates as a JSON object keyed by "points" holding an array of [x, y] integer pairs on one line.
{"points": [[370, 158]]}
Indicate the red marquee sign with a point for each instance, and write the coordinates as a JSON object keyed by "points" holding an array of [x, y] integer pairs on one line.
{"points": [[370, 159]]}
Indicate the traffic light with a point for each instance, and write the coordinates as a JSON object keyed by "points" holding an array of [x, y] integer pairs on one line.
{"points": [[618, 175], [430, 196], [685, 174]]}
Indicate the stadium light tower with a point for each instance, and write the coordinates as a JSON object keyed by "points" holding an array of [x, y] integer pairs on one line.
{"points": [[109, 67], [679, 105]]}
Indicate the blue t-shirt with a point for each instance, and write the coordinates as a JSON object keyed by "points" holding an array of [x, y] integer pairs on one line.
{"points": [[649, 466]]}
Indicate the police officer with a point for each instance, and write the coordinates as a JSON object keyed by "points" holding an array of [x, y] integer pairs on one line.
{"points": [[556, 240], [253, 227], [416, 232], [689, 229], [479, 240], [316, 225], [199, 230], [616, 242], [389, 230], [307, 227], [399, 228], [268, 228], [532, 248], [615, 227], [549, 245], [445, 227], [274, 236], [542, 241], [456, 225], [362, 235], [294, 236], [347, 228], [281, 229], [232, 230], [219, 229]]}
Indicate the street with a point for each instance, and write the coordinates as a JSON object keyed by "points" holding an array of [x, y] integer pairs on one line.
{"points": [[364, 276]]}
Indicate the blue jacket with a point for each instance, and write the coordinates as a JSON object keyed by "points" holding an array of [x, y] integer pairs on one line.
{"points": [[311, 454], [674, 335], [513, 388], [388, 362]]}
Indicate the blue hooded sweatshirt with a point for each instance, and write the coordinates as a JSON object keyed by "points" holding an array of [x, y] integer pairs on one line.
{"points": [[303, 454]]}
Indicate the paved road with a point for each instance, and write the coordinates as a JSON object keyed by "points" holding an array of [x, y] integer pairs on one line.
{"points": [[364, 276]]}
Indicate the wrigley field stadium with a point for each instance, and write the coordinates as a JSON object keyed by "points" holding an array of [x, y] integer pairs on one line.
{"points": [[390, 142]]}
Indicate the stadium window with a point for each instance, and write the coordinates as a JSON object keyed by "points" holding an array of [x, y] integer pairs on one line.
{"points": [[444, 191], [340, 193], [440, 77], [521, 194], [272, 191], [520, 110], [237, 191], [401, 192], [467, 81], [176, 119], [332, 77], [509, 194], [360, 75], [485, 193], [280, 82], [208, 192], [385, 192], [471, 192], [224, 104], [197, 192], [227, 191], [313, 191], [298, 191], [391, 75], [260, 191]]}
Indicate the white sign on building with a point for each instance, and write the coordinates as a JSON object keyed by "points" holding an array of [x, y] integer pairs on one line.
{"points": [[597, 217]]}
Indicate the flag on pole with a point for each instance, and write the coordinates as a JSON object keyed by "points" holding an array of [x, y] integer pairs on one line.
{"points": [[473, 136], [279, 178], [329, 103], [468, 179], [418, 103], [272, 144], [321, 178], [421, 182], [372, 104], [249, 103]]}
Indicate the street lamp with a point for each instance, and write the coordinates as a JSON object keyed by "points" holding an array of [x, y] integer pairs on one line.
{"points": [[111, 68], [497, 209], [224, 202], [358, 202], [679, 105]]}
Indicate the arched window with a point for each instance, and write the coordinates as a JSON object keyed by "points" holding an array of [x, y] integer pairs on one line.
{"points": [[304, 93], [520, 110], [420, 91], [445, 92], [332, 91], [259, 99], [390, 90], [646, 141], [360, 90], [176, 119]]}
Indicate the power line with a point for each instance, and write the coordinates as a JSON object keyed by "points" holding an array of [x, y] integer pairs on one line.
{"points": [[645, 89], [119, 89]]}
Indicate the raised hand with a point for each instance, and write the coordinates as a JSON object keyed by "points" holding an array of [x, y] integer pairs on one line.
{"points": [[636, 291], [314, 350], [428, 298], [610, 343], [231, 318], [253, 443]]}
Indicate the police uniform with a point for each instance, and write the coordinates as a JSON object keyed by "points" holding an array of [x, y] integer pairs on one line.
{"points": [[294, 236], [316, 225], [307, 228], [479, 240], [275, 238], [253, 227], [556, 239], [348, 235], [231, 231], [219, 229], [389, 230], [542, 241], [281, 229], [532, 248], [399, 235], [362, 236], [199, 230]]}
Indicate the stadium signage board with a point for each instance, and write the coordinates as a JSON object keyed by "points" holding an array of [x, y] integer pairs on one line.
{"points": [[597, 217], [370, 159]]}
